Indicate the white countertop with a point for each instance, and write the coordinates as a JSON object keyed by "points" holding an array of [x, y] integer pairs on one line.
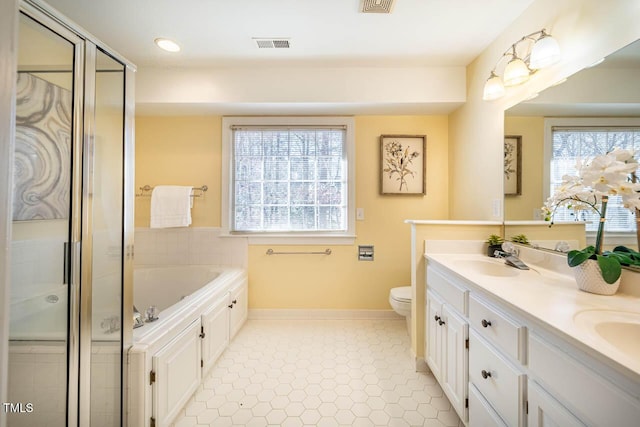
{"points": [[552, 299]]}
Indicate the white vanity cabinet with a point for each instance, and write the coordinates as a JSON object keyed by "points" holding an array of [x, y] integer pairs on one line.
{"points": [[178, 364], [545, 411], [446, 341], [522, 371], [496, 350]]}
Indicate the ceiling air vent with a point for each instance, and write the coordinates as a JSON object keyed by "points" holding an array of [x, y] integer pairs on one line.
{"points": [[271, 43], [376, 6]]}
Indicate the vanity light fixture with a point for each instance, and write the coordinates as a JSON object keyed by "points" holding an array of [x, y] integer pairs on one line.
{"points": [[166, 44], [544, 52]]}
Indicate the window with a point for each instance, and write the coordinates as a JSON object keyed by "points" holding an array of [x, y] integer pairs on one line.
{"points": [[289, 177], [572, 142]]}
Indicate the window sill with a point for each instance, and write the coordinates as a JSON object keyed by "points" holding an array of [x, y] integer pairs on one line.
{"points": [[614, 238], [301, 239]]}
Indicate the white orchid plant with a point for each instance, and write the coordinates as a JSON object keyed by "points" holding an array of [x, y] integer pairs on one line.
{"points": [[610, 174]]}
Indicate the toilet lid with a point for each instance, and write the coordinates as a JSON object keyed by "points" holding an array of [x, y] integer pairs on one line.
{"points": [[401, 294]]}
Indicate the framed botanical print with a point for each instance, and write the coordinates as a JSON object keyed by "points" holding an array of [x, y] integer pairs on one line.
{"points": [[403, 164], [513, 165]]}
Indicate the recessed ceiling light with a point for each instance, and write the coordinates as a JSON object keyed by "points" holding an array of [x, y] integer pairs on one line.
{"points": [[168, 45]]}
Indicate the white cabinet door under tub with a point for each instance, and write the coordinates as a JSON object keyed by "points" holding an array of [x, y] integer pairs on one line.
{"points": [[177, 374], [238, 305], [215, 332]]}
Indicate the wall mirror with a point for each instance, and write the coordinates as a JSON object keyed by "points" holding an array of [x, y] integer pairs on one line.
{"points": [[598, 97]]}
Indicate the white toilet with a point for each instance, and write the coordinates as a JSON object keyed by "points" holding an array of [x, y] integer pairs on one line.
{"points": [[400, 300]]}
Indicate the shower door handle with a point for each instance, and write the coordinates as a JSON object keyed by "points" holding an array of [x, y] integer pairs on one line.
{"points": [[65, 269]]}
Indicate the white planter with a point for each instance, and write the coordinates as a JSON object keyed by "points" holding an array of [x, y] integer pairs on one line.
{"points": [[589, 279]]}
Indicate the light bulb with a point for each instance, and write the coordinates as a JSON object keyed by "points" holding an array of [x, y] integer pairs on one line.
{"points": [[516, 72], [545, 52], [168, 45], [493, 88]]}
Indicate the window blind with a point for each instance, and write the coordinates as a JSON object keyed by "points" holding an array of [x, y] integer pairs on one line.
{"points": [[289, 179], [571, 144]]}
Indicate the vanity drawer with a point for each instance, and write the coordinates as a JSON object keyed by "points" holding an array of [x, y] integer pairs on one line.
{"points": [[497, 379], [595, 400], [450, 292], [481, 414], [498, 328]]}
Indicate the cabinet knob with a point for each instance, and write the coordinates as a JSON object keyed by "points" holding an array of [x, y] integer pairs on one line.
{"points": [[230, 306], [235, 301], [202, 335], [436, 317], [485, 323], [485, 374], [440, 322]]}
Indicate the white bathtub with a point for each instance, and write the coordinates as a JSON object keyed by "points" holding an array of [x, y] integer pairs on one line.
{"points": [[176, 291], [165, 286], [186, 339], [42, 317]]}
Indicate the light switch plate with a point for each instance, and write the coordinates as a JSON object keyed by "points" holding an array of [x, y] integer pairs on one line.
{"points": [[360, 214]]}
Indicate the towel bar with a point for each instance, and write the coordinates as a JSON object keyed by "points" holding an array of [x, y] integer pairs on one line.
{"points": [[145, 191], [272, 252]]}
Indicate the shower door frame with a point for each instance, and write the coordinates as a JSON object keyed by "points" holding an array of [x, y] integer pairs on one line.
{"points": [[79, 339]]}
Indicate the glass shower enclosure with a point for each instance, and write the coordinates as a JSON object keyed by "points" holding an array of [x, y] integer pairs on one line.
{"points": [[71, 251]]}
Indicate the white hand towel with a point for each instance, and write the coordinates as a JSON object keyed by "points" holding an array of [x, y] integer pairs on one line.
{"points": [[171, 206]]}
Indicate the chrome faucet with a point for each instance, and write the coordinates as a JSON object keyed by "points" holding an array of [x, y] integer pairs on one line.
{"points": [[510, 255], [110, 324]]}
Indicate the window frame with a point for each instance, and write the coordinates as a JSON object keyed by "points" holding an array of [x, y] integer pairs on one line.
{"points": [[613, 238], [346, 237]]}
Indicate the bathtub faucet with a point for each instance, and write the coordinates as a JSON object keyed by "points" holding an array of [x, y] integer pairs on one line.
{"points": [[110, 324]]}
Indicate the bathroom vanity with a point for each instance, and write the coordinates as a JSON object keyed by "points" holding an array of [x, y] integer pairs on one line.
{"points": [[525, 347]]}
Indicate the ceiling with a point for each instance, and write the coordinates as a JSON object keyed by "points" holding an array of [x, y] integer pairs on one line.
{"points": [[219, 33]]}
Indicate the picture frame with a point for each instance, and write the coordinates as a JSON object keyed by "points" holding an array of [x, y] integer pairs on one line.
{"points": [[513, 165], [403, 164]]}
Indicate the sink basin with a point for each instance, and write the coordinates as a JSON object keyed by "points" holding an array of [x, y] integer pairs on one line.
{"points": [[488, 268], [620, 329]]}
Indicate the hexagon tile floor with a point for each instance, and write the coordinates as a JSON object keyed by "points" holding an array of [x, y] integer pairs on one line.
{"points": [[318, 373]]}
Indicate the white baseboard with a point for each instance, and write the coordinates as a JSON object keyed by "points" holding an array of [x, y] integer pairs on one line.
{"points": [[320, 314]]}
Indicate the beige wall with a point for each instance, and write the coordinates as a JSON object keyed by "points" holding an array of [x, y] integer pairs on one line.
{"points": [[186, 150], [586, 30], [532, 131], [180, 151]]}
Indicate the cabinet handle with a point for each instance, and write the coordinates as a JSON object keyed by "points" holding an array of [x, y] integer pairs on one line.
{"points": [[485, 323], [440, 322], [436, 317], [485, 374]]}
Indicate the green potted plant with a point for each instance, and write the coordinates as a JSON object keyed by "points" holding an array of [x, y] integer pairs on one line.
{"points": [[494, 243], [520, 238], [598, 271]]}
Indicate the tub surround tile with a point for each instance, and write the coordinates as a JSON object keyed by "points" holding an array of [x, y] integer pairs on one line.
{"points": [[321, 373], [197, 245]]}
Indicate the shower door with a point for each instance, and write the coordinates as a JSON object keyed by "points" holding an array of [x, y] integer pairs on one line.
{"points": [[72, 250], [43, 227]]}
